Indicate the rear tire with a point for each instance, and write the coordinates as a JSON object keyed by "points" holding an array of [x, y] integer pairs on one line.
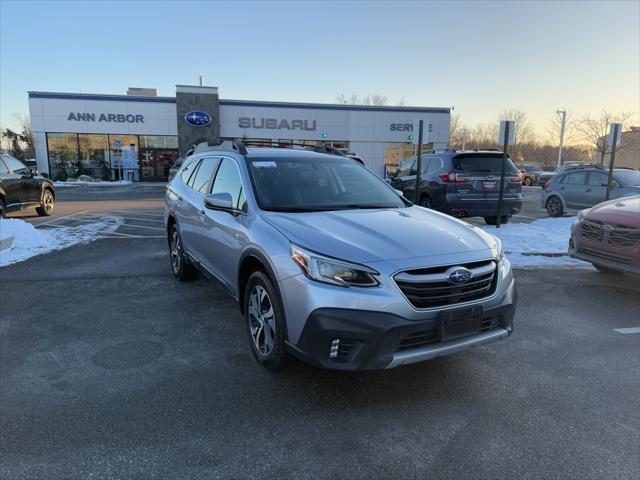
{"points": [[554, 207], [180, 266], [266, 326], [48, 202], [604, 269], [494, 220], [426, 202]]}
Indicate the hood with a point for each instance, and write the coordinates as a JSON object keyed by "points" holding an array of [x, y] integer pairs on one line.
{"points": [[365, 236], [621, 211]]}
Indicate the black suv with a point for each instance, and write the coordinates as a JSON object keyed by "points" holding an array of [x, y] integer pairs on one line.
{"points": [[462, 183], [21, 188]]}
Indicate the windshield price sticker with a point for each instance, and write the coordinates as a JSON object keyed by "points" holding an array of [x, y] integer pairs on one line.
{"points": [[264, 164]]}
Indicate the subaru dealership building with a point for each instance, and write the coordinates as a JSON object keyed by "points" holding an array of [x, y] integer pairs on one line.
{"points": [[137, 136]]}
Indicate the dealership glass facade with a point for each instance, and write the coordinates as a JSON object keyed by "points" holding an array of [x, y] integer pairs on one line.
{"points": [[110, 157]]}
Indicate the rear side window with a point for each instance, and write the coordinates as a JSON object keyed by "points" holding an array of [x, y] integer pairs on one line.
{"points": [[483, 164], [576, 178], [201, 179], [188, 169], [435, 164]]}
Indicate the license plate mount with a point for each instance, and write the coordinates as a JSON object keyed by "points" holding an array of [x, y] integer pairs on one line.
{"points": [[489, 185], [460, 323]]}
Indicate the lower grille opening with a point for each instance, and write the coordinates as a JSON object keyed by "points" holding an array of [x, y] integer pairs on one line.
{"points": [[419, 339]]}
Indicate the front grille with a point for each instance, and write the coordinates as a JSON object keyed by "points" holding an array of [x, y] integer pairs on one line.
{"points": [[620, 236], [604, 255], [429, 287], [419, 339], [422, 338]]}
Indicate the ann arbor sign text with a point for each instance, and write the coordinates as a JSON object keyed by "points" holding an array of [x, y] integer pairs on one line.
{"points": [[105, 117]]}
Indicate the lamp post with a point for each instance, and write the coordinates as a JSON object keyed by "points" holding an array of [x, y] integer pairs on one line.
{"points": [[563, 114]]}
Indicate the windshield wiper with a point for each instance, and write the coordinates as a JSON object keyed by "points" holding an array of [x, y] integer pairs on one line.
{"points": [[363, 206]]}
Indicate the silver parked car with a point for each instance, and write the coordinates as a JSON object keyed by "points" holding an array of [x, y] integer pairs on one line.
{"points": [[331, 265], [584, 188]]}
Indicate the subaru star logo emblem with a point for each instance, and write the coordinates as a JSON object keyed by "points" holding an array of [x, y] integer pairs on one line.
{"points": [[458, 275], [608, 228], [198, 119]]}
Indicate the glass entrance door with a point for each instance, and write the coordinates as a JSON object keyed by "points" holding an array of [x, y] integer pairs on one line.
{"points": [[155, 163]]}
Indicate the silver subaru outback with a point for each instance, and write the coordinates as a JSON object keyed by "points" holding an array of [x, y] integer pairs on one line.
{"points": [[329, 264]]}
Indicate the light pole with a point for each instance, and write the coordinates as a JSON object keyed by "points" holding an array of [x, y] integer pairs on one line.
{"points": [[563, 114]]}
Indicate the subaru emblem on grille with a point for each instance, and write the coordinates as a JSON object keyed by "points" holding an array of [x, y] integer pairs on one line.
{"points": [[458, 275], [608, 228]]}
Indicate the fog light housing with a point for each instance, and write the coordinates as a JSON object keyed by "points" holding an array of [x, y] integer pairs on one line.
{"points": [[335, 344]]}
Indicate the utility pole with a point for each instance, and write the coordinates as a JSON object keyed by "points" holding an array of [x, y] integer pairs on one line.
{"points": [[563, 114], [614, 132]]}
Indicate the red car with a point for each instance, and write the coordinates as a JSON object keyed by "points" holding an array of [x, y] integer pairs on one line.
{"points": [[608, 235]]}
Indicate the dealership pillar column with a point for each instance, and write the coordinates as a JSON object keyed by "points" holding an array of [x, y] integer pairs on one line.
{"points": [[198, 116]]}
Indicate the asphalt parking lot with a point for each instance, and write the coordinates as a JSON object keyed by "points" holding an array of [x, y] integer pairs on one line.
{"points": [[112, 369]]}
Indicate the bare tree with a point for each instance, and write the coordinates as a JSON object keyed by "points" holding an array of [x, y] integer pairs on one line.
{"points": [[375, 99], [455, 131], [555, 125], [595, 131], [26, 135], [523, 133]]}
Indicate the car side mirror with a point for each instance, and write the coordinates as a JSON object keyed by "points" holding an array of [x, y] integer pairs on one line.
{"points": [[34, 172], [219, 201], [392, 175]]}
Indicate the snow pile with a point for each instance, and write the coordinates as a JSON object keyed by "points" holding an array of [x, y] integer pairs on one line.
{"points": [[29, 241], [523, 243], [100, 183]]}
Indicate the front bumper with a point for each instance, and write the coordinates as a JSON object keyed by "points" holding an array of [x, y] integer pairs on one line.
{"points": [[625, 260], [377, 340]]}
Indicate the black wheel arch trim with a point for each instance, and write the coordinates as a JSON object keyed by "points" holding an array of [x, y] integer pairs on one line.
{"points": [[270, 271]]}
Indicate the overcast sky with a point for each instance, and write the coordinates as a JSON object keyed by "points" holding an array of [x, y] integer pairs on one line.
{"points": [[480, 57]]}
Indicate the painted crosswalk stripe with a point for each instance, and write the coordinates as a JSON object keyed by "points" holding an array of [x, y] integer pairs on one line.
{"points": [[626, 331]]}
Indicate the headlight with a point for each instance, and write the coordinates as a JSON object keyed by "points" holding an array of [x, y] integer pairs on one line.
{"points": [[582, 214], [498, 253], [329, 270]]}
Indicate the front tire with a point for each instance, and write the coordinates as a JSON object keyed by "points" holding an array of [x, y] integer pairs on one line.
{"points": [[493, 220], [554, 207], [266, 326], [180, 266], [48, 202]]}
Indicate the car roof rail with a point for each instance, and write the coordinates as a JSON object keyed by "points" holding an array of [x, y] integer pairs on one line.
{"points": [[227, 145], [443, 150], [320, 147]]}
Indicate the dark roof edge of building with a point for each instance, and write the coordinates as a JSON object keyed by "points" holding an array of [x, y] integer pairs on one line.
{"points": [[241, 103]]}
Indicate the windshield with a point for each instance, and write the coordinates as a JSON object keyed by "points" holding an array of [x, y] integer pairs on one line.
{"points": [[483, 163], [315, 184], [629, 177]]}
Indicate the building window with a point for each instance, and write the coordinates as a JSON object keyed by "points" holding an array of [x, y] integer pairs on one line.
{"points": [[157, 154], [124, 157], [64, 161], [94, 156], [158, 141]]}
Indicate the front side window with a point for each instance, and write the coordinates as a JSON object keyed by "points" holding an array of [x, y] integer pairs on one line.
{"points": [[15, 165], [228, 181], [576, 178], [597, 179], [319, 183], [406, 168]]}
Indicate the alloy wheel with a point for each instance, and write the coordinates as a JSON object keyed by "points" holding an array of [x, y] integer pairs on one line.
{"points": [[554, 207], [262, 322], [176, 252], [47, 202]]}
